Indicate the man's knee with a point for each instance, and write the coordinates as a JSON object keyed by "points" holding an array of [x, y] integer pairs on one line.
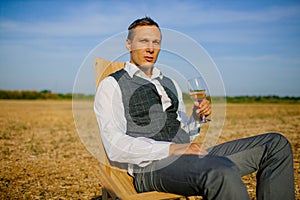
{"points": [[280, 141], [279, 148]]}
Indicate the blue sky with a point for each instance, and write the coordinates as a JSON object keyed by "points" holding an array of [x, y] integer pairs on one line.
{"points": [[255, 44]]}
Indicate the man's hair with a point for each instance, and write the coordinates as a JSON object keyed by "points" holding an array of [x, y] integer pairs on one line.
{"points": [[146, 21]]}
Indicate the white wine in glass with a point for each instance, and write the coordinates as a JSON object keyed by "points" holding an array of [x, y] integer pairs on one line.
{"points": [[197, 95], [197, 92]]}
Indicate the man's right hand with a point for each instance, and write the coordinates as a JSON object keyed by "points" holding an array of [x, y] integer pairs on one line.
{"points": [[190, 148]]}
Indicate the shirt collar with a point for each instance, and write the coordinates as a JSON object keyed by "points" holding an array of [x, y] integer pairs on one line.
{"points": [[132, 69]]}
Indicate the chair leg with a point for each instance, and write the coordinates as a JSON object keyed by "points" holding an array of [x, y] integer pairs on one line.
{"points": [[105, 195]]}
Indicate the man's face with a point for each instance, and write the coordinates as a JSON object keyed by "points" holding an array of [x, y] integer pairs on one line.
{"points": [[144, 46]]}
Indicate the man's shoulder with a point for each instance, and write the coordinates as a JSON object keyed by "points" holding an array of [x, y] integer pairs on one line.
{"points": [[118, 74]]}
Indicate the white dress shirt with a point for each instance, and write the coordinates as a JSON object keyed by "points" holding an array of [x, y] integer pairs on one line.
{"points": [[111, 119]]}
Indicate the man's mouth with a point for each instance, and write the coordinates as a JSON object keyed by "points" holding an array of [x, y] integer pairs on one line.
{"points": [[148, 58]]}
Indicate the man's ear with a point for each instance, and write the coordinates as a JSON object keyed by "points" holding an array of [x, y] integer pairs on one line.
{"points": [[128, 45]]}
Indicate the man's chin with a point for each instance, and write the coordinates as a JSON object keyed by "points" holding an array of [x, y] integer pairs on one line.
{"points": [[147, 64]]}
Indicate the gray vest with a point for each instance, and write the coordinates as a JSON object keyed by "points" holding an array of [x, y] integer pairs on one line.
{"points": [[143, 109]]}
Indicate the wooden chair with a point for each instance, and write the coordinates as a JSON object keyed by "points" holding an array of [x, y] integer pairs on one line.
{"points": [[116, 182]]}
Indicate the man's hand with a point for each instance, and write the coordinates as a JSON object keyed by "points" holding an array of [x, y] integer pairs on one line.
{"points": [[202, 108], [190, 148]]}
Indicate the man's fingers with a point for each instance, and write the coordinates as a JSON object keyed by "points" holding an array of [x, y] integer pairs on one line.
{"points": [[204, 109]]}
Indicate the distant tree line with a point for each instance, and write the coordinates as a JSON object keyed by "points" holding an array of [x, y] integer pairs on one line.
{"points": [[263, 99], [47, 94], [250, 99], [31, 94]]}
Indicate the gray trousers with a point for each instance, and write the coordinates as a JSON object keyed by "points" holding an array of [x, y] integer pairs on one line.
{"points": [[218, 174]]}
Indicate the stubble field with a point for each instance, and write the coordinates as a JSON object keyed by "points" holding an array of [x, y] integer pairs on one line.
{"points": [[42, 156]]}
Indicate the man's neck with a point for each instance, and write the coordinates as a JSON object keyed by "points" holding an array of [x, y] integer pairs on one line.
{"points": [[146, 69]]}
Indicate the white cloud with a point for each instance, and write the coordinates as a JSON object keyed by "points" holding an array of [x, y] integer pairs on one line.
{"points": [[264, 60], [99, 18], [81, 27], [86, 20], [191, 15]]}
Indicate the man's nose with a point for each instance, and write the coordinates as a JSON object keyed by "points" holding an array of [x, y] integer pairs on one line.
{"points": [[150, 47]]}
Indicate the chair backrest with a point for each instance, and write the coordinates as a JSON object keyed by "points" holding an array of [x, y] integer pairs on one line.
{"points": [[115, 181], [104, 68]]}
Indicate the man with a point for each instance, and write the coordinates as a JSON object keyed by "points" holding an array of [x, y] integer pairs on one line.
{"points": [[139, 112]]}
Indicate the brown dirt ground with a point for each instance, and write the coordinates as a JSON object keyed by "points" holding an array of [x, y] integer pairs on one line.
{"points": [[42, 156]]}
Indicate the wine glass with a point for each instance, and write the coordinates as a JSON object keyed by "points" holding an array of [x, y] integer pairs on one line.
{"points": [[197, 92]]}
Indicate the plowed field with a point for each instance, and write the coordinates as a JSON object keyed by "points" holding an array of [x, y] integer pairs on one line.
{"points": [[42, 156]]}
